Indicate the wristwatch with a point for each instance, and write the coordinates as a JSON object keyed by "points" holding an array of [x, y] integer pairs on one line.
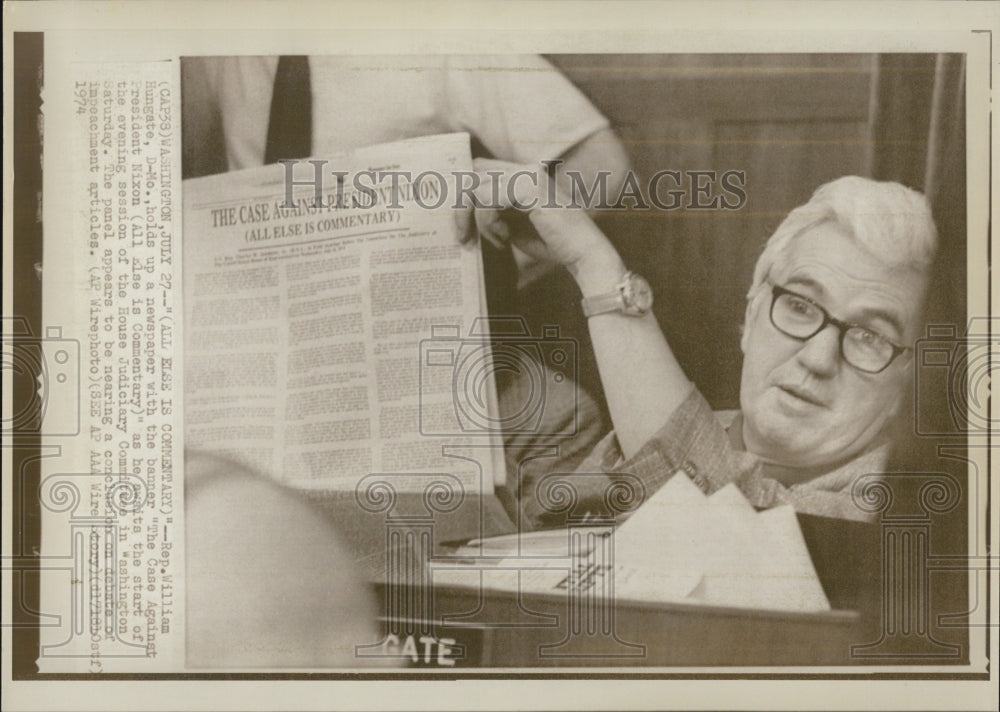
{"points": [[633, 296]]}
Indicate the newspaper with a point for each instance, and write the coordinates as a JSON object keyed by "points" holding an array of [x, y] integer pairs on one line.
{"points": [[96, 334], [324, 336]]}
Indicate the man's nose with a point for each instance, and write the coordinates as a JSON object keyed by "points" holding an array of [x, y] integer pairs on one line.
{"points": [[821, 353]]}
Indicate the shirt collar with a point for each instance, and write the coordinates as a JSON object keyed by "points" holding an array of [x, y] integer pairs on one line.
{"points": [[836, 479]]}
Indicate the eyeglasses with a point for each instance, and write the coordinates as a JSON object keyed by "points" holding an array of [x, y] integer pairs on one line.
{"points": [[802, 318]]}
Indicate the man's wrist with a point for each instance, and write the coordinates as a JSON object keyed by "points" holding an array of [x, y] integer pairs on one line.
{"points": [[598, 274]]}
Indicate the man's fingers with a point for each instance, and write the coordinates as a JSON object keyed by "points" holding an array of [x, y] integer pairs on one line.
{"points": [[501, 229], [461, 218], [485, 220], [492, 239], [560, 235]]}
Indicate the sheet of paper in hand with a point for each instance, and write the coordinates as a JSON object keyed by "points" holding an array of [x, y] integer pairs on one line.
{"points": [[330, 305]]}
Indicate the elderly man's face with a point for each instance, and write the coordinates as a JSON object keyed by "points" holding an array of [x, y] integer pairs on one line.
{"points": [[803, 405]]}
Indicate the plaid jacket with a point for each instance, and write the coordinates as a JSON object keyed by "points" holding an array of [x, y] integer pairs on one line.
{"points": [[700, 444]]}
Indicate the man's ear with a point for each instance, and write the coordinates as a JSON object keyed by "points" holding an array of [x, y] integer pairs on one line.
{"points": [[747, 319], [902, 399]]}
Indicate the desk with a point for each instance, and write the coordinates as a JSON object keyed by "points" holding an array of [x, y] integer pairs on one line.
{"points": [[509, 630], [506, 630]]}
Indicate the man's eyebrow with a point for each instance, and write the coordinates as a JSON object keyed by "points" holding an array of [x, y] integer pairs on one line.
{"points": [[867, 315], [888, 317], [803, 281]]}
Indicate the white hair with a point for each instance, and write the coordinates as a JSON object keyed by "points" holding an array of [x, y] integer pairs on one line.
{"points": [[889, 220]]}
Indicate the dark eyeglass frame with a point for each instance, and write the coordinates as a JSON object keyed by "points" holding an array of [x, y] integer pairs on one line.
{"points": [[842, 326]]}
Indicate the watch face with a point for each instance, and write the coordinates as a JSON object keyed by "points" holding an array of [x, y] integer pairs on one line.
{"points": [[638, 294]]}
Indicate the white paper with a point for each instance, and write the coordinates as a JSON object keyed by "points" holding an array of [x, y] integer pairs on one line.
{"points": [[791, 562], [745, 559]]}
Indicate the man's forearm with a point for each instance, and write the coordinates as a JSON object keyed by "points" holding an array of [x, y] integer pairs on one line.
{"points": [[643, 382]]}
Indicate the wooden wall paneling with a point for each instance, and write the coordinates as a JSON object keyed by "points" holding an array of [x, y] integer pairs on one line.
{"points": [[791, 122]]}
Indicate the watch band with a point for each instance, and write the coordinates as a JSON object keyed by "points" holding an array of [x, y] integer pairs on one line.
{"points": [[632, 296], [603, 303]]}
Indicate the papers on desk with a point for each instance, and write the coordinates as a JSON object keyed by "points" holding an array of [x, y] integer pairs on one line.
{"points": [[746, 559], [679, 546]]}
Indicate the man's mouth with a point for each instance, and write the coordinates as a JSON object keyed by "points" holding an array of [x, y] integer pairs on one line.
{"points": [[803, 395]]}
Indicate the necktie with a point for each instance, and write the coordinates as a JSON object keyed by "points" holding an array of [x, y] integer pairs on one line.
{"points": [[289, 129]]}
